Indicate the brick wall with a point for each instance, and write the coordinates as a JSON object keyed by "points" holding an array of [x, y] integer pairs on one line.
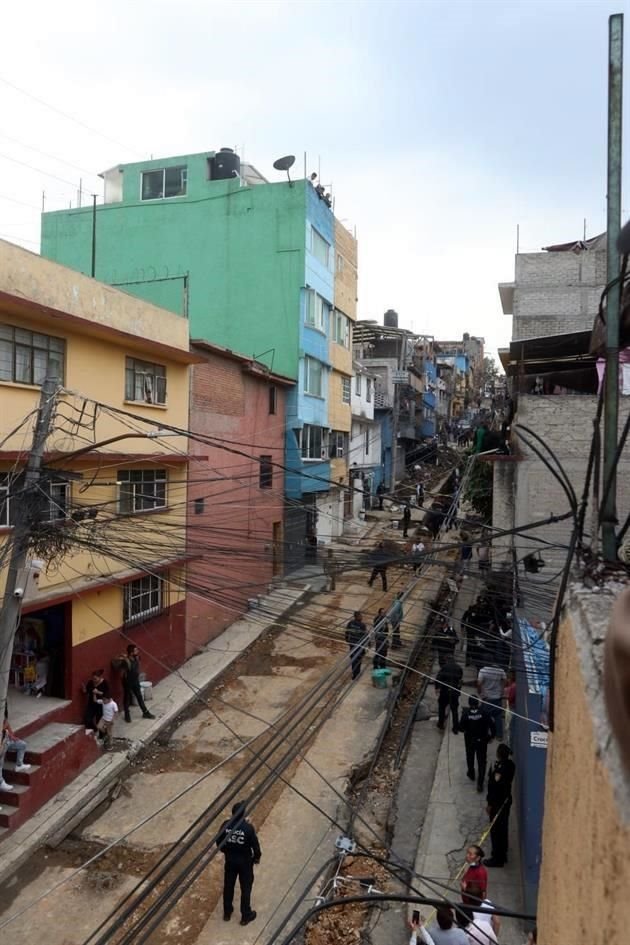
{"points": [[218, 385]]}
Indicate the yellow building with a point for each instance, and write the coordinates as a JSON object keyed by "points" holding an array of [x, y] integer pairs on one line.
{"points": [[110, 510], [340, 348]]}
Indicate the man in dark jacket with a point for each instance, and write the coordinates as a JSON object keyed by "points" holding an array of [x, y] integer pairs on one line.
{"points": [[131, 682], [478, 727], [499, 800], [448, 686], [356, 638], [238, 841], [381, 640], [379, 558], [406, 518]]}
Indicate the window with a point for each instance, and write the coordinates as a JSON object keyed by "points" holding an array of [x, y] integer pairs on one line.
{"points": [[338, 444], [265, 475], [339, 262], [145, 381], [312, 376], [368, 389], [143, 598], [341, 330], [345, 390], [199, 505], [24, 355], [167, 182], [320, 248], [273, 399], [367, 440], [317, 311], [4, 500], [313, 442], [141, 489], [357, 385], [58, 500]]}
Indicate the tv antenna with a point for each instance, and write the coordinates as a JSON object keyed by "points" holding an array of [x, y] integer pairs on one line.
{"points": [[284, 164]]}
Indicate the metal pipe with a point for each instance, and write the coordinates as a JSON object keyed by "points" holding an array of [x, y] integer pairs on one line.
{"points": [[93, 269], [611, 381]]}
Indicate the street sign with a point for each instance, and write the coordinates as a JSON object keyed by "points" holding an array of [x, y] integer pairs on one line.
{"points": [[400, 377]]}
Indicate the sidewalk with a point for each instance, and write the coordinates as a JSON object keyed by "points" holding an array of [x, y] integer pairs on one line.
{"points": [[52, 822]]}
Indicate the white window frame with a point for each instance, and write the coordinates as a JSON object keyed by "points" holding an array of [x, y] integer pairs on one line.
{"points": [[58, 493], [340, 262], [319, 242], [368, 390], [147, 490], [317, 310], [337, 444], [357, 384], [313, 441], [341, 329], [147, 594], [150, 377], [183, 168], [310, 374], [346, 390]]}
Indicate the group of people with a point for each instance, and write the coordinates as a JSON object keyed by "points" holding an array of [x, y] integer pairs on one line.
{"points": [[101, 709], [358, 637]]}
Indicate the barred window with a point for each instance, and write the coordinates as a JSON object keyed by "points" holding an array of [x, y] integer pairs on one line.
{"points": [[145, 381], [141, 489], [143, 597]]}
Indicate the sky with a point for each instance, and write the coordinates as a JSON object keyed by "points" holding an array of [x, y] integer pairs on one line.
{"points": [[440, 126]]}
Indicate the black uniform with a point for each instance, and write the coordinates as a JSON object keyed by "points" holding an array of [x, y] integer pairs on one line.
{"points": [[381, 643], [238, 841], [478, 728], [380, 560], [449, 684], [356, 633], [406, 519], [445, 640], [380, 491], [132, 687], [499, 799]]}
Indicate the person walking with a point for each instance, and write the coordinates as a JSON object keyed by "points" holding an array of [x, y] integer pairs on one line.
{"points": [[448, 685], [478, 727], [105, 724], [417, 554], [356, 638], [381, 640], [238, 842], [330, 570], [445, 639], [499, 800], [131, 682], [465, 553], [379, 559], [396, 615], [490, 685], [406, 518], [419, 495], [10, 742], [381, 489]]}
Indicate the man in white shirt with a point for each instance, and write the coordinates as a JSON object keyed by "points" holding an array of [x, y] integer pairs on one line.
{"points": [[491, 682]]}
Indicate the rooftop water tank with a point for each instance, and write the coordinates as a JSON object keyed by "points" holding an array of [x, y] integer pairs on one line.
{"points": [[390, 318], [226, 164]]}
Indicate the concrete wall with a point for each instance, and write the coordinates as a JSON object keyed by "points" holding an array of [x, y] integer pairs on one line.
{"points": [[556, 292], [585, 872]]}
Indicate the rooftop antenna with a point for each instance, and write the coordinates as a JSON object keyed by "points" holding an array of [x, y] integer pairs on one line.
{"points": [[284, 164]]}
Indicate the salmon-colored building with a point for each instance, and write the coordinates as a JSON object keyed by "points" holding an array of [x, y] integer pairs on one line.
{"points": [[236, 489]]}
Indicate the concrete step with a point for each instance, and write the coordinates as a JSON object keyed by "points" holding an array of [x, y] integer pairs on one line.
{"points": [[58, 752]]}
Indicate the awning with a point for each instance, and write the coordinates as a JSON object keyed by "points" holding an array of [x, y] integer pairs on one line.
{"points": [[564, 360]]}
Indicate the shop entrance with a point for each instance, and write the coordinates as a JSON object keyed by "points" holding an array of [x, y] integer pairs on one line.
{"points": [[39, 667]]}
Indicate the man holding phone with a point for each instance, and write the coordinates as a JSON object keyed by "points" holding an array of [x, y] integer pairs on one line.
{"points": [[419, 935]]}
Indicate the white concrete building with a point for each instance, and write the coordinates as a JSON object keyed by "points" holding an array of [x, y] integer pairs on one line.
{"points": [[365, 438]]}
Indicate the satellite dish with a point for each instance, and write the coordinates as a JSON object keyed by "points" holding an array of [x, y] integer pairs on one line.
{"points": [[284, 164]]}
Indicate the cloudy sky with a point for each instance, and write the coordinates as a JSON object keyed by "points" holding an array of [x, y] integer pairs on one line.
{"points": [[440, 125]]}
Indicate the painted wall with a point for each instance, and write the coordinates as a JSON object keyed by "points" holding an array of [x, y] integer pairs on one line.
{"points": [[231, 519], [585, 872], [243, 248]]}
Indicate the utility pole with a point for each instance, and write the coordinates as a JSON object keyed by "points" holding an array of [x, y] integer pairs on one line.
{"points": [[93, 271], [611, 380], [14, 590]]}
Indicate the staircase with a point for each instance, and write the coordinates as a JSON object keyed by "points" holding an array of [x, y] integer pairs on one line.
{"points": [[58, 753]]}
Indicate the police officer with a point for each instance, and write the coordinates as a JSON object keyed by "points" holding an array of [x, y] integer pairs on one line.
{"points": [[356, 633], [499, 800], [478, 727], [238, 841], [406, 518], [448, 685]]}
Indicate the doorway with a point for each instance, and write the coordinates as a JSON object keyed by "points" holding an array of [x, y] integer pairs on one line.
{"points": [[276, 548]]}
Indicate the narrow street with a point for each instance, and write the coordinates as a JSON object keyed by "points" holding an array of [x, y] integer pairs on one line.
{"points": [[298, 817]]}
